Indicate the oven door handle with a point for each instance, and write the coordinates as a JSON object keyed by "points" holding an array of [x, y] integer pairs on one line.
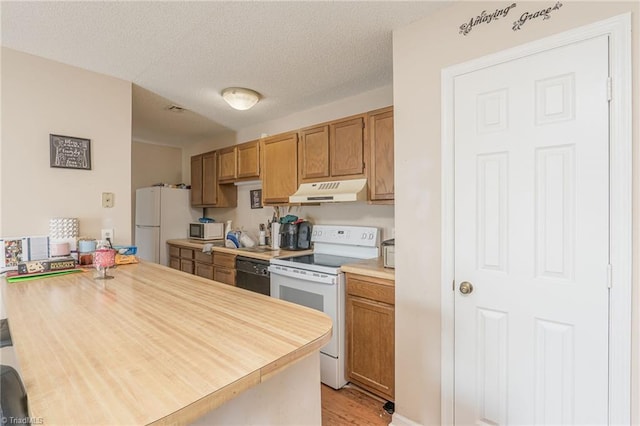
{"points": [[301, 274]]}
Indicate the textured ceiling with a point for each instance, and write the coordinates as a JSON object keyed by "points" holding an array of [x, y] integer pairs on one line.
{"points": [[297, 55]]}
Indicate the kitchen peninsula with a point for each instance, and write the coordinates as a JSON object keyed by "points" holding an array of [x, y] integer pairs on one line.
{"points": [[158, 346]]}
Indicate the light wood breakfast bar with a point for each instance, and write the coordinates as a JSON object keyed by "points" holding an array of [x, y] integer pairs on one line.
{"points": [[159, 346]]}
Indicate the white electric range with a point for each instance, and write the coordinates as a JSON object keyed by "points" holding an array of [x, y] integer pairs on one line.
{"points": [[316, 281]]}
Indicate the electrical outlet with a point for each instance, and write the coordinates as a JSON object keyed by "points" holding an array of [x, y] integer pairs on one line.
{"points": [[107, 199], [107, 233]]}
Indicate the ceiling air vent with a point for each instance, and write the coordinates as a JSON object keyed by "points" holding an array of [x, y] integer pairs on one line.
{"points": [[174, 108]]}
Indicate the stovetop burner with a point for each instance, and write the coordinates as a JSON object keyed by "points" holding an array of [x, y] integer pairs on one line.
{"points": [[323, 260]]}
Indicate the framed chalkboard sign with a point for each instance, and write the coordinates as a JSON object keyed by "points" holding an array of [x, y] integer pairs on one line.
{"points": [[68, 152]]}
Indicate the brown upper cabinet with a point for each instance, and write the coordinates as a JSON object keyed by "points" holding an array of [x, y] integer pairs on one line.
{"points": [[227, 164], [381, 144], [335, 150], [206, 191], [279, 168], [196, 180], [313, 151], [239, 162], [349, 148], [248, 154]]}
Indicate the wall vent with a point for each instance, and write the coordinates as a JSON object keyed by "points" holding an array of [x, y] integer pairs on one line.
{"points": [[329, 185], [174, 108]]}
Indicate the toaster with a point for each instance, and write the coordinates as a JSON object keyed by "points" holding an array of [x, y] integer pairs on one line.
{"points": [[389, 253]]}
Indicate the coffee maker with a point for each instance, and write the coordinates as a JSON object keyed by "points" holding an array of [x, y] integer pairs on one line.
{"points": [[295, 236]]}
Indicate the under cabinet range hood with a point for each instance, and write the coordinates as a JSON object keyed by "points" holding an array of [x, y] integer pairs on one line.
{"points": [[331, 192]]}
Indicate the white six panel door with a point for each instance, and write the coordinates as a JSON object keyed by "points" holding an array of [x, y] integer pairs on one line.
{"points": [[531, 236]]}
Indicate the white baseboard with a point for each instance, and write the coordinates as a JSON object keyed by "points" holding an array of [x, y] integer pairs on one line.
{"points": [[399, 420]]}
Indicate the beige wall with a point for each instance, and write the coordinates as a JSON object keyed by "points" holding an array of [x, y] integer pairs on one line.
{"points": [[367, 101], [40, 97], [342, 214], [151, 164], [421, 51]]}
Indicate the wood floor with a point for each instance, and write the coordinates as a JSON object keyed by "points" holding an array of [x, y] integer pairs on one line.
{"points": [[352, 406]]}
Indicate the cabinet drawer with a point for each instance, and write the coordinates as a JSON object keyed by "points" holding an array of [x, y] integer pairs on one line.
{"points": [[203, 270], [186, 253], [203, 257], [174, 251], [371, 288], [174, 262], [186, 266], [224, 259], [224, 275]]}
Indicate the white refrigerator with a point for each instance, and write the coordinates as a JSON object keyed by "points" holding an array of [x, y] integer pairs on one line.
{"points": [[161, 214]]}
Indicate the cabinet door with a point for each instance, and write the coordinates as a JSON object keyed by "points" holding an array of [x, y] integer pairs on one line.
{"points": [[174, 262], [280, 168], [370, 345], [186, 253], [248, 160], [186, 265], [209, 179], [381, 180], [313, 151], [203, 257], [224, 275], [203, 270], [174, 251], [196, 180], [347, 147], [227, 164], [226, 260]]}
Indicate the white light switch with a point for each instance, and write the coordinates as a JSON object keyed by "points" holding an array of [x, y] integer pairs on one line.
{"points": [[107, 199]]}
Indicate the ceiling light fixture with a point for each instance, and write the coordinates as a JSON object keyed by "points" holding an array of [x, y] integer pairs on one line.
{"points": [[240, 98]]}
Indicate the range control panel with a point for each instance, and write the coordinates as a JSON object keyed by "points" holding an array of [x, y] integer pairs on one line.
{"points": [[347, 235]]}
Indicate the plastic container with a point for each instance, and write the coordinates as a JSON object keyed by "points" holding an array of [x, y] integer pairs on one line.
{"points": [[246, 240], [127, 250]]}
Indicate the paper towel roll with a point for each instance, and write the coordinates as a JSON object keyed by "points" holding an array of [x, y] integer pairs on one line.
{"points": [[275, 235]]}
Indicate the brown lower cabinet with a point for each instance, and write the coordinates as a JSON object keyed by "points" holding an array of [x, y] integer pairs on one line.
{"points": [[214, 266], [370, 312], [224, 267]]}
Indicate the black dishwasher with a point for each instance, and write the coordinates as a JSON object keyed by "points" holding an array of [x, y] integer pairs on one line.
{"points": [[253, 274]]}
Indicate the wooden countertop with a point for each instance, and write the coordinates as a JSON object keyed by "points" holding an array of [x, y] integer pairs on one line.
{"points": [[371, 268], [266, 255], [151, 346]]}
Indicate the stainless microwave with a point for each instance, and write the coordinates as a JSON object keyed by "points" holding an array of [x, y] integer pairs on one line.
{"points": [[206, 231]]}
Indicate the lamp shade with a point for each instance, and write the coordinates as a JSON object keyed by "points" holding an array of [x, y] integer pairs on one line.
{"points": [[240, 98]]}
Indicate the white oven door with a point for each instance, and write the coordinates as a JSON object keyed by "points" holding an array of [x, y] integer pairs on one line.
{"points": [[312, 289]]}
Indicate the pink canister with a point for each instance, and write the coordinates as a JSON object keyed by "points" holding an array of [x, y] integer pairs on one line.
{"points": [[104, 258]]}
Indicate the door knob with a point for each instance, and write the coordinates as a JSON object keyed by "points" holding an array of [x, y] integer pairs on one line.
{"points": [[466, 287]]}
